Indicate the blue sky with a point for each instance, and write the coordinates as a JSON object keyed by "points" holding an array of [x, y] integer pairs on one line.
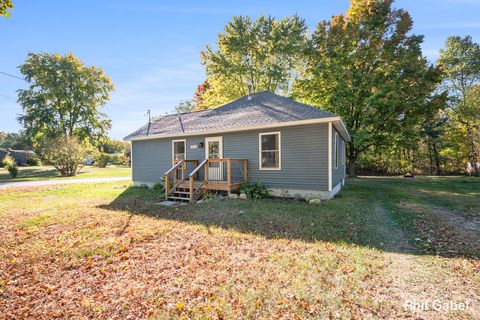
{"points": [[151, 48]]}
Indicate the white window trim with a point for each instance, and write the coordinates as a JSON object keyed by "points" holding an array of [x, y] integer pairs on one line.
{"points": [[173, 148], [279, 151], [218, 138], [335, 150]]}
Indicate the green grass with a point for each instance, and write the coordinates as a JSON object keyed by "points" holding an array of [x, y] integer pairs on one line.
{"points": [[50, 173], [110, 250]]}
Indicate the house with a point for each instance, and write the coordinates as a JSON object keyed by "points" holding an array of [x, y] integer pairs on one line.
{"points": [[290, 147], [21, 156]]}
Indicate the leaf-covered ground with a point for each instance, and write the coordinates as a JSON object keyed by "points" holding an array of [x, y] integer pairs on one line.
{"points": [[109, 251]]}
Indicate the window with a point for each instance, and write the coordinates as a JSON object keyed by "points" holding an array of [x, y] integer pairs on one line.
{"points": [[269, 151], [335, 154], [178, 150]]}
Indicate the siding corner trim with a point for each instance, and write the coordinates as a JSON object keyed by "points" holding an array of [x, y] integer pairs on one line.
{"points": [[330, 156]]}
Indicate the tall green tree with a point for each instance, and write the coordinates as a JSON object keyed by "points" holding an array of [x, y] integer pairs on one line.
{"points": [[5, 7], [64, 98], [460, 61], [368, 68], [260, 55]]}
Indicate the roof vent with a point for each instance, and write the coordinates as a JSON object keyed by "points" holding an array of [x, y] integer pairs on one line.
{"points": [[249, 97]]}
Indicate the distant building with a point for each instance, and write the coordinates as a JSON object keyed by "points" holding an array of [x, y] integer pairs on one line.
{"points": [[21, 156]]}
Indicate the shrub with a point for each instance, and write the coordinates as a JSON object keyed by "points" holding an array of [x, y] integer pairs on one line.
{"points": [[10, 164], [158, 187], [66, 154], [34, 161], [101, 159], [255, 190], [124, 160], [211, 196]]}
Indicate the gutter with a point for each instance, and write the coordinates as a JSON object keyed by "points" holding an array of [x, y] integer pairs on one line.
{"points": [[337, 121]]}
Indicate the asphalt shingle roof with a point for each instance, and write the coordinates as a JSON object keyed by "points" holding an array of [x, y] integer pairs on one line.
{"points": [[263, 108]]}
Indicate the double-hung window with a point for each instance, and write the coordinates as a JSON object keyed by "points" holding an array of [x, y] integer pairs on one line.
{"points": [[270, 151], [178, 150]]}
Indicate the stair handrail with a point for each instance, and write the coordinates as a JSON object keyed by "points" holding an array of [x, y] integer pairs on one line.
{"points": [[174, 167], [192, 192], [166, 178], [198, 168]]}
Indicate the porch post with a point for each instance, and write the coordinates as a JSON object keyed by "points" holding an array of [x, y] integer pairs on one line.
{"points": [[166, 186], [245, 171], [229, 174], [191, 189], [206, 171]]}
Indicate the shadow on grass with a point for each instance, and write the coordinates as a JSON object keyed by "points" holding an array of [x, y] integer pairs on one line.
{"points": [[36, 173], [365, 213]]}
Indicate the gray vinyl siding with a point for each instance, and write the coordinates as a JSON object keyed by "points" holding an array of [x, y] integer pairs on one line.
{"points": [[338, 174], [304, 154]]}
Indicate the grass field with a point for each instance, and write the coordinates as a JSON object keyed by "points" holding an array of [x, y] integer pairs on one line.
{"points": [[109, 251], [49, 173]]}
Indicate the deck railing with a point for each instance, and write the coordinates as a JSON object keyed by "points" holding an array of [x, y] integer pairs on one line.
{"points": [[177, 174]]}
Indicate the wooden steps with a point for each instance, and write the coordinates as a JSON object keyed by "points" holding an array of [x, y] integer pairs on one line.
{"points": [[178, 198], [185, 187]]}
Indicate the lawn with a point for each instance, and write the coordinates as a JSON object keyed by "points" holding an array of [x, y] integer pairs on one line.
{"points": [[49, 173], [108, 250]]}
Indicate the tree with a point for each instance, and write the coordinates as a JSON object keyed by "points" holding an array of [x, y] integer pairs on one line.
{"points": [[198, 97], [5, 7], [433, 130], [64, 98], [460, 61], [261, 55], [17, 141], [115, 146], [366, 67], [469, 115], [185, 106], [66, 154]]}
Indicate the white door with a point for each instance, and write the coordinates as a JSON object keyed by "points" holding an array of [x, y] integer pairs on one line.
{"points": [[214, 150]]}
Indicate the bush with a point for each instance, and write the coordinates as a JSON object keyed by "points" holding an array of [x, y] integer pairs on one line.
{"points": [[124, 160], [255, 190], [10, 164], [66, 154], [34, 161], [101, 159], [158, 187]]}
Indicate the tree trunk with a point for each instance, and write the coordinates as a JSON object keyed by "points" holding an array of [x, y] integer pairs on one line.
{"points": [[352, 159], [473, 151], [438, 170]]}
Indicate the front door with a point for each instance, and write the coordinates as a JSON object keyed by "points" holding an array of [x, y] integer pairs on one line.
{"points": [[214, 150]]}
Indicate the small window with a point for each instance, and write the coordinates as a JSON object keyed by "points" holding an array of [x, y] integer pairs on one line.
{"points": [[178, 150], [336, 151], [270, 153]]}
